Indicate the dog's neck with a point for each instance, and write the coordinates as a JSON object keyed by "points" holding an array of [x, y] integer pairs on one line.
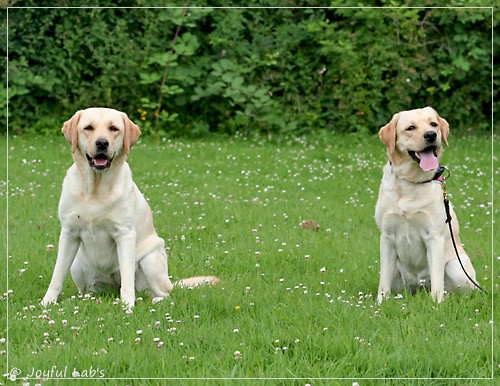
{"points": [[98, 183], [415, 175]]}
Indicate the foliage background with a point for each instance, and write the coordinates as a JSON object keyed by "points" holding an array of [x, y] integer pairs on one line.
{"points": [[188, 72]]}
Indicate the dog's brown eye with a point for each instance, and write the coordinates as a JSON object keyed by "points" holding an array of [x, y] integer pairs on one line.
{"points": [[88, 128], [113, 128], [434, 124], [410, 128]]}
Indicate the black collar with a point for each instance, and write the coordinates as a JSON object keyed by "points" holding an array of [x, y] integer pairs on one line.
{"points": [[437, 177]]}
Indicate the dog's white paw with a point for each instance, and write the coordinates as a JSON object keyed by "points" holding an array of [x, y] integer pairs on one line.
{"points": [[382, 296], [49, 298], [158, 299], [127, 296], [47, 302], [438, 296], [128, 302]]}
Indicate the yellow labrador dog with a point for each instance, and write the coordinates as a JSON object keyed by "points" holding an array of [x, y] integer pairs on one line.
{"points": [[107, 235], [415, 244]]}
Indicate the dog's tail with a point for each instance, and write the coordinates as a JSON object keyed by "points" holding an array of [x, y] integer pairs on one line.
{"points": [[196, 281]]}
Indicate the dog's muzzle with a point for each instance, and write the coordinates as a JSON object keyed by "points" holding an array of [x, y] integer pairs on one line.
{"points": [[100, 161], [427, 158]]}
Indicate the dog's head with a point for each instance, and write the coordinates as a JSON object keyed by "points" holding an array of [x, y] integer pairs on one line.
{"points": [[414, 141], [100, 135]]}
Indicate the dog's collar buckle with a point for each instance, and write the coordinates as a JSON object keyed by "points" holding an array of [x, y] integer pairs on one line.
{"points": [[439, 174]]}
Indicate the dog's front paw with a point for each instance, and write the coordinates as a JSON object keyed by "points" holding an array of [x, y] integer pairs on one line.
{"points": [[437, 296], [128, 301], [382, 295], [49, 298], [127, 296]]}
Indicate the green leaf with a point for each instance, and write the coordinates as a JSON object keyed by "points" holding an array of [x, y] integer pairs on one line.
{"points": [[237, 81], [172, 90], [162, 58], [147, 104], [149, 78], [186, 45], [461, 63], [228, 77]]}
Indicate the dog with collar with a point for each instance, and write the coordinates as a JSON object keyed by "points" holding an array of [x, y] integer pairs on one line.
{"points": [[416, 249]]}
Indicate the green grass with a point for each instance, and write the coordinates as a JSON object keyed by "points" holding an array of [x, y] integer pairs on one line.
{"points": [[295, 304]]}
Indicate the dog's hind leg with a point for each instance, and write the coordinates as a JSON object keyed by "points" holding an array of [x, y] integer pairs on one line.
{"points": [[455, 278], [80, 276], [152, 275]]}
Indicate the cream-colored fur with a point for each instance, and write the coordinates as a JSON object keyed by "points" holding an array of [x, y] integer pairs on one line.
{"points": [[415, 244], [107, 235]]}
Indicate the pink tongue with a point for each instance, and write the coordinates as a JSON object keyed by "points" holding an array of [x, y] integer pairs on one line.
{"points": [[428, 160], [100, 161]]}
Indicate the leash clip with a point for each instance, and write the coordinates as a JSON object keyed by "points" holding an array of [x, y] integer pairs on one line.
{"points": [[444, 178], [447, 175], [445, 194]]}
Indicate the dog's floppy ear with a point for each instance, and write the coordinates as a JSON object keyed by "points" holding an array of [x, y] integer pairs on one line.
{"points": [[445, 129], [131, 134], [387, 133], [70, 131]]}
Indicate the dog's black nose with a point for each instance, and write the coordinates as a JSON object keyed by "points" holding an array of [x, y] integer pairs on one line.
{"points": [[430, 136], [101, 143]]}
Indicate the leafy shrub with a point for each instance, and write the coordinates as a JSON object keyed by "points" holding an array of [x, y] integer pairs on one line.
{"points": [[190, 71]]}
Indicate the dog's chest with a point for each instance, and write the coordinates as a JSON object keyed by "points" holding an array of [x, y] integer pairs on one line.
{"points": [[96, 230], [410, 218], [408, 210], [404, 202], [85, 217]]}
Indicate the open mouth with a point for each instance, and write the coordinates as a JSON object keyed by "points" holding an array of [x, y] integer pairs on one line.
{"points": [[427, 158], [99, 162]]}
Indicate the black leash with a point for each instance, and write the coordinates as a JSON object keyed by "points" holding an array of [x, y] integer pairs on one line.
{"points": [[448, 220]]}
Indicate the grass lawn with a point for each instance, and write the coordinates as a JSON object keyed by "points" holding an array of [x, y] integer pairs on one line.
{"points": [[294, 303]]}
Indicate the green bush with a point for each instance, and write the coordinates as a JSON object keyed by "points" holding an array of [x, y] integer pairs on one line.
{"points": [[190, 71]]}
